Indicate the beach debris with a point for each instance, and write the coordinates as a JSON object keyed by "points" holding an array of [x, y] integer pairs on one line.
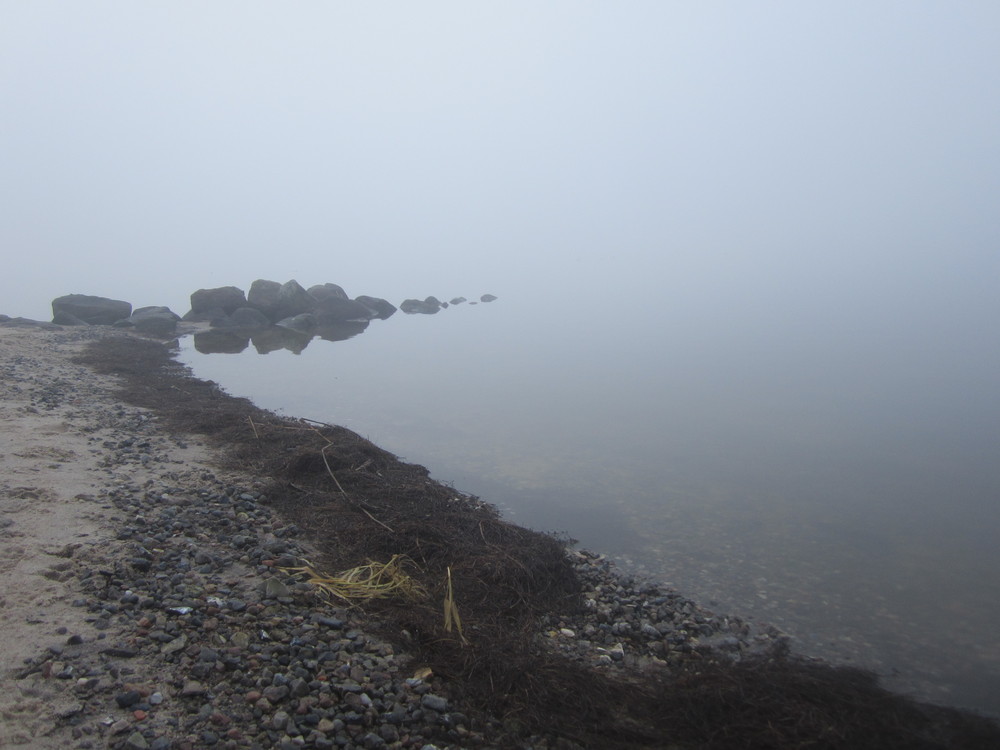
{"points": [[451, 612], [373, 580]]}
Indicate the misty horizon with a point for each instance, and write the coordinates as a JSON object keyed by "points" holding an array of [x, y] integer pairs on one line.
{"points": [[750, 160], [756, 245]]}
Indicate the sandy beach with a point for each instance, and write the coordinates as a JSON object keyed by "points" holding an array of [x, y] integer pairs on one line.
{"points": [[56, 418], [148, 597]]}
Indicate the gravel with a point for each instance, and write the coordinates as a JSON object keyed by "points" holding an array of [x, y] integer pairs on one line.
{"points": [[199, 639]]}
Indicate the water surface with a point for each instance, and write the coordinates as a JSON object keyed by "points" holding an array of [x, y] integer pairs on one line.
{"points": [[834, 476]]}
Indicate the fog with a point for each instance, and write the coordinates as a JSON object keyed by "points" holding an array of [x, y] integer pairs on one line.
{"points": [[719, 164], [747, 258]]}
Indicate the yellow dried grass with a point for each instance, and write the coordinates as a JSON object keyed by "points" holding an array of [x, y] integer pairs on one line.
{"points": [[373, 580], [451, 612]]}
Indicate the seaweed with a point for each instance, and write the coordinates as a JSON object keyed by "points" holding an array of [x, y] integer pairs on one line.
{"points": [[360, 504]]}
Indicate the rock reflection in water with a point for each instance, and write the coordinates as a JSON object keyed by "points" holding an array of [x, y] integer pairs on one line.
{"points": [[273, 338], [220, 342]]}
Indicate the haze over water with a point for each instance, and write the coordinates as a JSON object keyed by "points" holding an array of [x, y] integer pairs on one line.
{"points": [[747, 255], [842, 489]]}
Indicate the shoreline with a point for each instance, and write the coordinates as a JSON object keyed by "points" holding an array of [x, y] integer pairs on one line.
{"points": [[162, 574]]}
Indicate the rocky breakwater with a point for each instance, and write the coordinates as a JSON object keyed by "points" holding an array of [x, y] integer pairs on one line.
{"points": [[269, 316], [86, 309], [283, 315], [273, 316]]}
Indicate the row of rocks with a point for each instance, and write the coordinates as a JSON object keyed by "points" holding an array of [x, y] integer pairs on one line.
{"points": [[267, 303], [235, 333], [432, 305]]}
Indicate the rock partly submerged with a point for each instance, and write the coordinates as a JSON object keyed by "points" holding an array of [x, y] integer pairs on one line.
{"points": [[323, 310]]}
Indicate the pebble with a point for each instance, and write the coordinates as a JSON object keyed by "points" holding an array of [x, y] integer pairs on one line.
{"points": [[124, 700], [434, 702], [233, 654]]}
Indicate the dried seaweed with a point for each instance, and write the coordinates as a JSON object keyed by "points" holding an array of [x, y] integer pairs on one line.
{"points": [[360, 503]]}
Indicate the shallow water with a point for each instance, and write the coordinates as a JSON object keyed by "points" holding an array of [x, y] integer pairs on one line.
{"points": [[839, 482]]}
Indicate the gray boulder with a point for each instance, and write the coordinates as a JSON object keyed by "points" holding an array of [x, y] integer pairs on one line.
{"points": [[381, 308], [208, 303], [157, 321], [84, 309], [487, 298], [278, 301], [263, 295], [334, 310], [428, 306], [304, 323], [321, 292], [245, 318]]}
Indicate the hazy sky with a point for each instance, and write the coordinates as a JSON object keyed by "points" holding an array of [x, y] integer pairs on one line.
{"points": [[717, 154]]}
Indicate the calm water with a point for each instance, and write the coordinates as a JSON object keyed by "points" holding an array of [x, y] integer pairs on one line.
{"points": [[837, 478]]}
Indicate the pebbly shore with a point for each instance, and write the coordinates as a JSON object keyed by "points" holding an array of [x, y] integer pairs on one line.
{"points": [[192, 631], [197, 637]]}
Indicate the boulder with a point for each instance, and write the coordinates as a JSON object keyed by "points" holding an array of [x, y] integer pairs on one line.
{"points": [[278, 301], [381, 308], [263, 296], [334, 310], [427, 306], [246, 318], [157, 321], [85, 309], [213, 314], [304, 323], [295, 300], [458, 300], [206, 303], [66, 319], [487, 298], [320, 292]]}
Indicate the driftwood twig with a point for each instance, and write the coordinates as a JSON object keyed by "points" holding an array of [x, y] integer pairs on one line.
{"points": [[336, 481]]}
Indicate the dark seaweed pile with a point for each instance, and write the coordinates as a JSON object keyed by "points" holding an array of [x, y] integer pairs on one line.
{"points": [[359, 503]]}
